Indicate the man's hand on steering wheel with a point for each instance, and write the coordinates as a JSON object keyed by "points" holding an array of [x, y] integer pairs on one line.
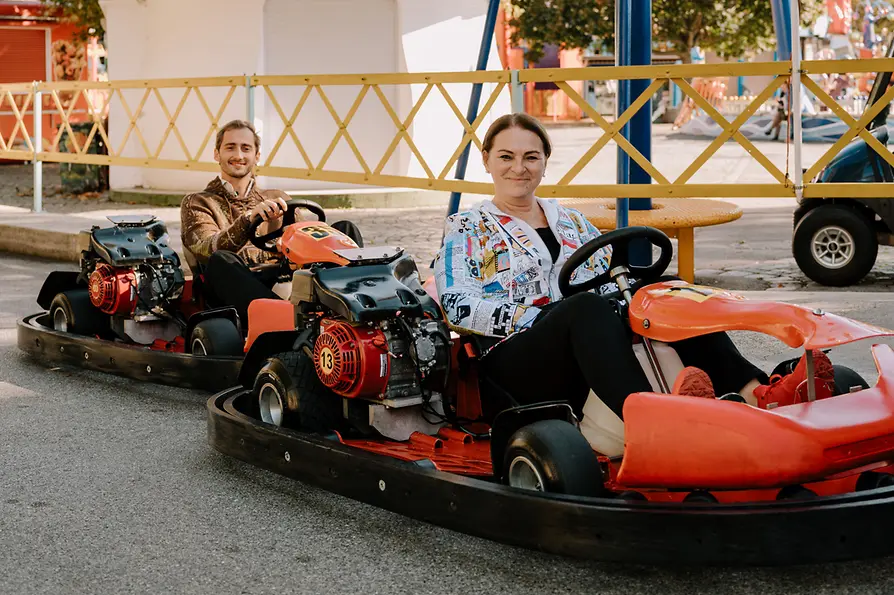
{"points": [[266, 241], [271, 211]]}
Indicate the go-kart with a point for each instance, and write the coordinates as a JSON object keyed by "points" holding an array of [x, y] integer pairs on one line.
{"points": [[131, 311], [357, 384]]}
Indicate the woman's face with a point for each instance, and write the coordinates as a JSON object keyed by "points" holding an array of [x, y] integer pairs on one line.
{"points": [[516, 162]]}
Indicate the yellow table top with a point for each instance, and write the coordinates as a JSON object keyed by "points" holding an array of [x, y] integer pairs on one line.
{"points": [[671, 213]]}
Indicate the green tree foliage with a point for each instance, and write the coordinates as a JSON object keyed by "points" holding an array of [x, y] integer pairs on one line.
{"points": [[731, 28], [85, 14]]}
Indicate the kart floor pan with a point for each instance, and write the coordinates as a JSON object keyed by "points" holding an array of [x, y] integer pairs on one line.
{"points": [[856, 525], [38, 339]]}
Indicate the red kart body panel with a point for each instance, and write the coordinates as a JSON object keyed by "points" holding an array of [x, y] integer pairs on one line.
{"points": [[685, 442], [306, 242], [676, 310], [268, 316]]}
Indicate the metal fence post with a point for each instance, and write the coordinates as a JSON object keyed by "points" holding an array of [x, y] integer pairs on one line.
{"points": [[794, 96], [249, 100], [37, 145], [517, 93]]}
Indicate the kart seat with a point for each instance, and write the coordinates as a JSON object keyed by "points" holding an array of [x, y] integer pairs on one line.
{"points": [[350, 229]]}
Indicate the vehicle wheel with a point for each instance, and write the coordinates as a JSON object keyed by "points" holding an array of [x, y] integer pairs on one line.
{"points": [[845, 379], [834, 245], [216, 336], [289, 394], [552, 456], [795, 492], [699, 497], [73, 312], [872, 480]]}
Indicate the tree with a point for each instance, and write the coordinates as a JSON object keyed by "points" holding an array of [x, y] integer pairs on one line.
{"points": [[87, 15], [731, 28], [567, 23]]}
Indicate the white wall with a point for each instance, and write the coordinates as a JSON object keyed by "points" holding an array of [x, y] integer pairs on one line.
{"points": [[439, 36], [177, 38], [329, 37]]}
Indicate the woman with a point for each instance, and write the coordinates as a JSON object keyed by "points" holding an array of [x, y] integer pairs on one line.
{"points": [[497, 276]]}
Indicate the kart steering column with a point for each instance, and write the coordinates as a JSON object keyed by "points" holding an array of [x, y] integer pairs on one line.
{"points": [[621, 276]]}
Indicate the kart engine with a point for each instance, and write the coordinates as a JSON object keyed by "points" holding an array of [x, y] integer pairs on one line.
{"points": [[394, 359], [135, 291]]}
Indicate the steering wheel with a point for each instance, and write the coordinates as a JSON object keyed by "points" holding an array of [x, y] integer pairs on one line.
{"points": [[619, 240], [265, 242]]}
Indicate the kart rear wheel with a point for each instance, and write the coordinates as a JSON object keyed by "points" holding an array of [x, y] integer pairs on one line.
{"points": [[834, 245], [289, 394], [847, 379], [552, 456], [73, 312], [872, 480], [216, 336]]}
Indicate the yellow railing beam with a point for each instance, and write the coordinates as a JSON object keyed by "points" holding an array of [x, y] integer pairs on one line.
{"points": [[866, 118], [730, 130]]}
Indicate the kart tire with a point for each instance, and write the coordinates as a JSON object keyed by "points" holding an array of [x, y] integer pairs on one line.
{"points": [[216, 337], [858, 248], [873, 480], [845, 379], [552, 456], [72, 312], [289, 394], [795, 492]]}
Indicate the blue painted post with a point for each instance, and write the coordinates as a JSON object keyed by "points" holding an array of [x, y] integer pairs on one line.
{"points": [[633, 46], [472, 113], [740, 83], [782, 23]]}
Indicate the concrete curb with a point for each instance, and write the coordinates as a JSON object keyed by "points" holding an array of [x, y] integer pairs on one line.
{"points": [[54, 245]]}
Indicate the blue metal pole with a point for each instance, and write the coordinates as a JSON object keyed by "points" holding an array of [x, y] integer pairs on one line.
{"points": [[633, 41], [782, 23], [623, 43], [472, 113]]}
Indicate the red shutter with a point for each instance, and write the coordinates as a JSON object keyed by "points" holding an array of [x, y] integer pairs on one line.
{"points": [[23, 55]]}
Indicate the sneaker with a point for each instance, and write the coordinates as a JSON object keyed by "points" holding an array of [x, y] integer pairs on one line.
{"points": [[693, 382], [792, 388]]}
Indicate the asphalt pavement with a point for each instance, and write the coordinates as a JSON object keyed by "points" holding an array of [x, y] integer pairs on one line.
{"points": [[109, 486]]}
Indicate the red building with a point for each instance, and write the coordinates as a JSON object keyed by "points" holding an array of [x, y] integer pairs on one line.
{"points": [[35, 45]]}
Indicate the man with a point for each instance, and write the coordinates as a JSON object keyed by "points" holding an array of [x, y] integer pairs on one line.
{"points": [[215, 222]]}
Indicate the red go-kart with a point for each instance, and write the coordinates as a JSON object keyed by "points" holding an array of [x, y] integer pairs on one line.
{"points": [[131, 311], [362, 352]]}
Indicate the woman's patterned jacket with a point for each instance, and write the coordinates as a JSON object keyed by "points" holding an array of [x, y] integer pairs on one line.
{"points": [[494, 271]]}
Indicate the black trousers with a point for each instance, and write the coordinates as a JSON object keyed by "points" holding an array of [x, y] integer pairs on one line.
{"points": [[229, 282], [580, 343]]}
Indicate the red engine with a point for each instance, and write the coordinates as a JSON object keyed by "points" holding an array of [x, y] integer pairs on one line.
{"points": [[352, 361], [113, 290]]}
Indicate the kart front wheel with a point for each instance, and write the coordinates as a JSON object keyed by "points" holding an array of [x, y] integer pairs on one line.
{"points": [[835, 245], [289, 394], [552, 456], [216, 336], [73, 312]]}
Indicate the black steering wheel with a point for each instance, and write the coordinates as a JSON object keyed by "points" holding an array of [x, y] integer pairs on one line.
{"points": [[265, 242], [619, 240]]}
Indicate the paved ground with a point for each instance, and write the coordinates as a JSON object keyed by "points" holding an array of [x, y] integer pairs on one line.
{"points": [[109, 486]]}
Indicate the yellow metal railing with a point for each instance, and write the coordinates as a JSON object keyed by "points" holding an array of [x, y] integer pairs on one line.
{"points": [[96, 100]]}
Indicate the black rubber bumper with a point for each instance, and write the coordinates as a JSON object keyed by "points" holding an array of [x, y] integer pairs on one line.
{"points": [[51, 347], [844, 527]]}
